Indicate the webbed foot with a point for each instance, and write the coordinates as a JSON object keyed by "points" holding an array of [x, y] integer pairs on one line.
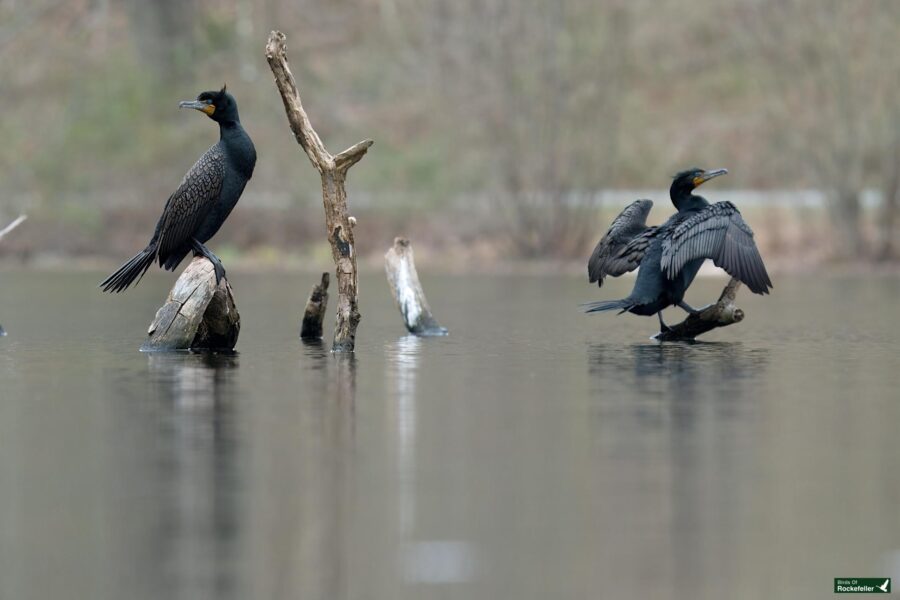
{"points": [[202, 250]]}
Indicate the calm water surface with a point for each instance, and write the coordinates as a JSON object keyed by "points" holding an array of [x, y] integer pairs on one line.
{"points": [[535, 453]]}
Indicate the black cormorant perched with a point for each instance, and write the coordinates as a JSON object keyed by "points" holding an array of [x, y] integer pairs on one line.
{"points": [[194, 213], [670, 255]]}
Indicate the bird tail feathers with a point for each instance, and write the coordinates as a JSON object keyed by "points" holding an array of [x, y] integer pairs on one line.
{"points": [[604, 305], [131, 270]]}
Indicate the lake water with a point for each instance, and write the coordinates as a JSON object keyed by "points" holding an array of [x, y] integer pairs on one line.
{"points": [[535, 453]]}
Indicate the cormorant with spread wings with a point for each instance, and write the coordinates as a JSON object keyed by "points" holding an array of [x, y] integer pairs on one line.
{"points": [[670, 255]]}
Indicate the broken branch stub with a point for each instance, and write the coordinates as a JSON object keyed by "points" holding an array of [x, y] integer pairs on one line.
{"points": [[3, 232], [333, 171], [400, 268], [314, 314], [18, 221], [720, 314], [197, 315]]}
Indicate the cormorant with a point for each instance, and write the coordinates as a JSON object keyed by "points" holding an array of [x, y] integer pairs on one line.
{"points": [[670, 255], [194, 213]]}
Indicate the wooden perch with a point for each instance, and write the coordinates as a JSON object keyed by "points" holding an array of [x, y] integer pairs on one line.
{"points": [[198, 314], [311, 327], [12, 225], [720, 314], [333, 170], [400, 268]]}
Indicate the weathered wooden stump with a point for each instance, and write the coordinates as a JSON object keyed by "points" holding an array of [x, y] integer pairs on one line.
{"points": [[720, 314], [197, 315], [314, 314], [400, 268]]}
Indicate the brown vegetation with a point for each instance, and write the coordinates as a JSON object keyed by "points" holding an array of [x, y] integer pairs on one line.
{"points": [[526, 110]]}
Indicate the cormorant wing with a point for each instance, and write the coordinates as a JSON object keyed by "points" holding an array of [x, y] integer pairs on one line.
{"points": [[623, 246], [720, 233], [189, 205]]}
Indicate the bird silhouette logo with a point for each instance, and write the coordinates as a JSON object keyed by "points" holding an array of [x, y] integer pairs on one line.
{"points": [[886, 586]]}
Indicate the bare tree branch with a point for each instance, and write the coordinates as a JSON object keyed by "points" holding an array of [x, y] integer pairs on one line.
{"points": [[720, 314], [12, 225], [351, 155], [338, 222], [276, 55]]}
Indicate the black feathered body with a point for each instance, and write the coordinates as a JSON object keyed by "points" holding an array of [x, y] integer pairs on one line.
{"points": [[198, 208], [653, 290], [206, 196]]}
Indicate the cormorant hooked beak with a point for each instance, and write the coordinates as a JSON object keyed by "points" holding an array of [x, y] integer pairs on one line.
{"points": [[707, 175], [205, 107]]}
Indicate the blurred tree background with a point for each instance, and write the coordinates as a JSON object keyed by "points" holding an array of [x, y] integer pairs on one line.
{"points": [[503, 128]]}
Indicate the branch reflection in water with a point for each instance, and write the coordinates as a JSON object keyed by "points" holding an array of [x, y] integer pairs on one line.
{"points": [[677, 419], [420, 561], [199, 521]]}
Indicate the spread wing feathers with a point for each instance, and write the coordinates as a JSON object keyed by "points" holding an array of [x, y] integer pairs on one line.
{"points": [[720, 233], [623, 246], [191, 202]]}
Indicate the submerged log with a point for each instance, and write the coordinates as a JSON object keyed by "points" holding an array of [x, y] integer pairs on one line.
{"points": [[333, 171], [314, 315], [198, 314], [720, 314], [400, 268]]}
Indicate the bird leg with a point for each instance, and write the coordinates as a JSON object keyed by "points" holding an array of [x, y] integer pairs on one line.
{"points": [[662, 325], [201, 250]]}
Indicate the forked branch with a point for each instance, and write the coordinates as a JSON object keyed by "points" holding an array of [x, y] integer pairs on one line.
{"points": [[333, 169]]}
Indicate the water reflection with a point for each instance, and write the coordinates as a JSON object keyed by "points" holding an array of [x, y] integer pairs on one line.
{"points": [[683, 370], [197, 521], [430, 561], [193, 380], [299, 520], [403, 358], [683, 413]]}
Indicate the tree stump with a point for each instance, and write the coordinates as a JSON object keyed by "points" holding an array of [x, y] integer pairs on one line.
{"points": [[333, 171], [400, 268], [720, 314], [197, 315], [314, 315]]}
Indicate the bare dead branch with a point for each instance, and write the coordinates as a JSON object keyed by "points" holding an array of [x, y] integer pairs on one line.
{"points": [[352, 155], [338, 222], [720, 314], [12, 225], [316, 305], [276, 55]]}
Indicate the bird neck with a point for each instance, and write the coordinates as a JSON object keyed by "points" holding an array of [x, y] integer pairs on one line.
{"points": [[685, 201], [229, 128]]}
